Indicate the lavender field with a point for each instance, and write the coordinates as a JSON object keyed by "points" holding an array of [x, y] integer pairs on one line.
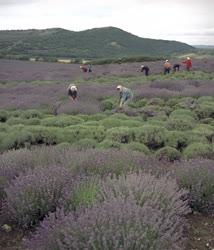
{"points": [[85, 175]]}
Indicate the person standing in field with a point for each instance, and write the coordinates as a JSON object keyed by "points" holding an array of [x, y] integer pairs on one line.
{"points": [[176, 67], [89, 68], [83, 68], [167, 67], [125, 95], [72, 92], [188, 63], [145, 69]]}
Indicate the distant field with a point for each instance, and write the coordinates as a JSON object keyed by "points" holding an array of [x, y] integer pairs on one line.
{"points": [[29, 71]]}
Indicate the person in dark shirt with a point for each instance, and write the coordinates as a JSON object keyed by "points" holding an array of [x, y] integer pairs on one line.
{"points": [[176, 67], [72, 92], [145, 69], [89, 68]]}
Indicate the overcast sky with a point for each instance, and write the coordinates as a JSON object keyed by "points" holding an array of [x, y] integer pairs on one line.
{"points": [[190, 21]]}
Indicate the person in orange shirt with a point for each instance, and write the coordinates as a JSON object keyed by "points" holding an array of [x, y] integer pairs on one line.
{"points": [[167, 67]]}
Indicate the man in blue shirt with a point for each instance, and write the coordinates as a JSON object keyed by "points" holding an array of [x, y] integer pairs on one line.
{"points": [[125, 95]]}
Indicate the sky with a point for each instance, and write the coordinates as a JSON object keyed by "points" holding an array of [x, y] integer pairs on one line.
{"points": [[189, 21]]}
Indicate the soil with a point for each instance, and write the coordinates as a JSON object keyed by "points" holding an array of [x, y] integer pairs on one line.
{"points": [[201, 232]]}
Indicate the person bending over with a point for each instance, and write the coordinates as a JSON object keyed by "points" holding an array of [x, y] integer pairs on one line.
{"points": [[125, 95], [72, 92]]}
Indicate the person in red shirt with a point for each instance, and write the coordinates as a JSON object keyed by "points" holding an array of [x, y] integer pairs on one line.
{"points": [[188, 63]]}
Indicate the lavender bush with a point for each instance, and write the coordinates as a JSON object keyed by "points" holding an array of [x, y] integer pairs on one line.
{"points": [[119, 223], [198, 178], [145, 188], [34, 194]]}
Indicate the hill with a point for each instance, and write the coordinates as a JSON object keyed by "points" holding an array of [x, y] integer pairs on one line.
{"points": [[106, 42]]}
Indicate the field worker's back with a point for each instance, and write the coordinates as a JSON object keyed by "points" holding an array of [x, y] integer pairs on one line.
{"points": [[72, 91], [167, 65]]}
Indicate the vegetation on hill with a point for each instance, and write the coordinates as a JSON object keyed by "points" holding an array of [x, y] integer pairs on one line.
{"points": [[106, 42]]}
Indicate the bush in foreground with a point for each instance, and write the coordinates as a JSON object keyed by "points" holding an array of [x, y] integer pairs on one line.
{"points": [[168, 154], [152, 136], [198, 178], [3, 116], [136, 146], [34, 194], [198, 150], [129, 220]]}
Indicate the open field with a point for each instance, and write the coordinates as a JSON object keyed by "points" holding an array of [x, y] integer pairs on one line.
{"points": [[31, 71], [140, 178]]}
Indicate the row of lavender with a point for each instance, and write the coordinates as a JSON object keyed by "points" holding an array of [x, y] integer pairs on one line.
{"points": [[101, 199], [171, 129]]}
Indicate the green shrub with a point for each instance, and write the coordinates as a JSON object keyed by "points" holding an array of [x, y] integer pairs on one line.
{"points": [[205, 110], [181, 123], [150, 110], [152, 136], [205, 130], [171, 102], [61, 121], [44, 135], [17, 139], [139, 103], [85, 144], [95, 117], [107, 104], [168, 154], [209, 121], [156, 101], [4, 127], [92, 123], [132, 123], [203, 99], [111, 122], [177, 139], [185, 112], [15, 113], [185, 103], [136, 146], [3, 116], [109, 144], [120, 116], [77, 132], [198, 150], [33, 121], [84, 195], [121, 134], [155, 122], [31, 113], [15, 121]]}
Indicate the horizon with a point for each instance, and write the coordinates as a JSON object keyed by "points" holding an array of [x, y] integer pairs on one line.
{"points": [[189, 22]]}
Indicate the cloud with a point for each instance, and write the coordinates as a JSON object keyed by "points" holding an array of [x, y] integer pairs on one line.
{"points": [[16, 2]]}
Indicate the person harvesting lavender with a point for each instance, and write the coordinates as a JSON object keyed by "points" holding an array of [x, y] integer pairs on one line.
{"points": [[125, 95], [72, 92]]}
